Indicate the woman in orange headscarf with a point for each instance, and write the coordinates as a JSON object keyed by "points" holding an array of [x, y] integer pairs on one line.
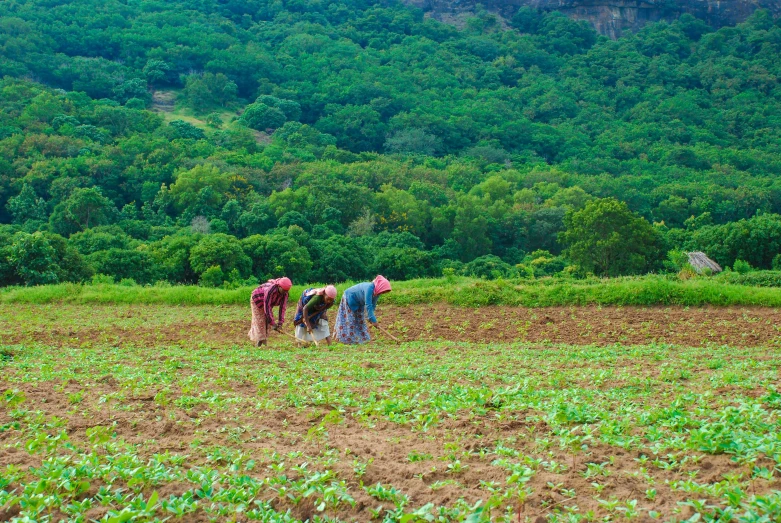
{"points": [[356, 308], [273, 293]]}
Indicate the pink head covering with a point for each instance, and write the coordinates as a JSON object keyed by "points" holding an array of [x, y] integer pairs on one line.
{"points": [[329, 291], [381, 285], [284, 283]]}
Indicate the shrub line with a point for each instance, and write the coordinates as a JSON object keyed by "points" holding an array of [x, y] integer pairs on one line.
{"points": [[651, 290]]}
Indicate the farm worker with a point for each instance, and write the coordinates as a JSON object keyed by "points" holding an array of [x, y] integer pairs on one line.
{"points": [[351, 320], [311, 319], [273, 293]]}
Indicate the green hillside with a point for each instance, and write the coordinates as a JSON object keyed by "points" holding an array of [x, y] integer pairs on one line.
{"points": [[229, 141]]}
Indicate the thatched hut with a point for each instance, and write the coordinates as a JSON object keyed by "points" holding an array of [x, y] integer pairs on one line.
{"points": [[700, 262]]}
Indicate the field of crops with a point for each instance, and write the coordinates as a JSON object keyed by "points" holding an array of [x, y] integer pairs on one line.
{"points": [[149, 412]]}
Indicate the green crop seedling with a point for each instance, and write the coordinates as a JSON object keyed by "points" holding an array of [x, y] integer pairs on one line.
{"points": [[428, 431]]}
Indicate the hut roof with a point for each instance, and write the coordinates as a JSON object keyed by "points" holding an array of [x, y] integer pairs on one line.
{"points": [[699, 262]]}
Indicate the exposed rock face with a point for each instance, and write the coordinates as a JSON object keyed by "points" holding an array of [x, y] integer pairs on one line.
{"points": [[612, 17]]}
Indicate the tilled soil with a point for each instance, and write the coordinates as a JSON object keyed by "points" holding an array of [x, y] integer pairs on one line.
{"points": [[210, 343], [144, 324], [385, 446]]}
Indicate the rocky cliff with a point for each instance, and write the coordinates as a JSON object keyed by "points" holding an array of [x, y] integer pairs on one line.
{"points": [[612, 17]]}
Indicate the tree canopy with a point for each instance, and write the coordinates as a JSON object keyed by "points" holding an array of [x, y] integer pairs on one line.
{"points": [[317, 139]]}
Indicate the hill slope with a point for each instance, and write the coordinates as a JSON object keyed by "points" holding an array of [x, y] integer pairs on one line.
{"points": [[320, 125]]}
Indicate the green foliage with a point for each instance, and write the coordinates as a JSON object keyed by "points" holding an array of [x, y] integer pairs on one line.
{"points": [[262, 117], [208, 90], [494, 134], [755, 241], [742, 267], [221, 250], [413, 141], [125, 263], [202, 188], [404, 263], [277, 255], [461, 291], [212, 277], [752, 278], [184, 129], [33, 259], [83, 209], [26, 206], [489, 267], [608, 239]]}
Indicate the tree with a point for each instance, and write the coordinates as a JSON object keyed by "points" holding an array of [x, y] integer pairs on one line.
{"points": [[212, 277], [340, 259], [172, 255], [121, 264], [608, 239], [404, 263], [184, 129], [27, 206], [545, 225], [261, 117], [134, 88], [471, 229], [256, 220], [363, 225], [156, 71], [84, 208], [204, 184], [413, 141], [290, 108], [209, 90], [756, 241], [277, 255], [294, 218], [673, 211], [489, 267], [99, 239], [33, 259], [222, 250], [356, 127]]}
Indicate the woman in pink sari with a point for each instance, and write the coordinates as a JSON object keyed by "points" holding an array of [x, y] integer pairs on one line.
{"points": [[273, 293]]}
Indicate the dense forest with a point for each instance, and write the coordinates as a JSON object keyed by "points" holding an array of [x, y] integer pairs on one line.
{"points": [[223, 141]]}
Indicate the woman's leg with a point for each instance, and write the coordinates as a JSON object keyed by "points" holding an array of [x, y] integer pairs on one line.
{"points": [[258, 332]]}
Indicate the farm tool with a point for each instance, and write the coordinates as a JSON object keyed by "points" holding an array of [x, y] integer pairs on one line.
{"points": [[297, 340], [394, 338], [286, 334]]}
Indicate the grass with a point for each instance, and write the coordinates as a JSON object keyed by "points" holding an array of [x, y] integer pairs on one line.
{"points": [[425, 431], [469, 292], [182, 113]]}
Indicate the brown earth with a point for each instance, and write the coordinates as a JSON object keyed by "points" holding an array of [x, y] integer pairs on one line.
{"points": [[384, 445], [157, 428], [228, 325]]}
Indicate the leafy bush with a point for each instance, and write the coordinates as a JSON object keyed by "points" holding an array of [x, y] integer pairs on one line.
{"points": [[753, 278], [260, 116], [125, 263], [489, 267], [102, 279], [212, 277], [184, 129], [741, 267]]}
